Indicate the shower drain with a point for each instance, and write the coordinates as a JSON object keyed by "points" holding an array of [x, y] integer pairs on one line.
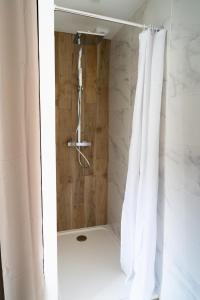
{"points": [[81, 238]]}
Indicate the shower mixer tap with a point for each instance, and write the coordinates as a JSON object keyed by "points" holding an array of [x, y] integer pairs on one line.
{"points": [[82, 38], [79, 144]]}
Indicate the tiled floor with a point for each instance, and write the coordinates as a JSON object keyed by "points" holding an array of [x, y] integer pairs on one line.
{"points": [[90, 270]]}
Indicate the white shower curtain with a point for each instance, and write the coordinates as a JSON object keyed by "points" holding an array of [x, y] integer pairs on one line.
{"points": [[20, 178], [139, 214]]}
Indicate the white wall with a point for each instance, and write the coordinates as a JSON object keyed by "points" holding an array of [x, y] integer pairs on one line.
{"points": [[179, 189], [48, 147]]}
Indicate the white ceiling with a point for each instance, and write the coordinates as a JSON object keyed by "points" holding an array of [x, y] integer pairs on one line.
{"points": [[122, 9]]}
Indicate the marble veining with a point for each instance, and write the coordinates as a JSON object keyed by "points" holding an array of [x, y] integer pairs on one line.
{"points": [[122, 89], [178, 246]]}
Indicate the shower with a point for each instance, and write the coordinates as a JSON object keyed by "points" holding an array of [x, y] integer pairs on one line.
{"points": [[82, 38], [95, 84]]}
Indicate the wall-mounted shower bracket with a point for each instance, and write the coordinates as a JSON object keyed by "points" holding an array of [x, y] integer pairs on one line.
{"points": [[79, 144]]}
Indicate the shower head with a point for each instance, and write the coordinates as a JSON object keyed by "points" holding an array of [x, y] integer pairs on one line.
{"points": [[88, 38]]}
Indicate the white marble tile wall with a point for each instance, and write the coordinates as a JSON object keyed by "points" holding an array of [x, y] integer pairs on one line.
{"points": [[179, 191], [123, 76], [181, 261]]}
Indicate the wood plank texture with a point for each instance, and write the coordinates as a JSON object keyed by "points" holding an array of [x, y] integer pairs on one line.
{"points": [[81, 192]]}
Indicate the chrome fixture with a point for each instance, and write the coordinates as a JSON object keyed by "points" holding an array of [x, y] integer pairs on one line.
{"points": [[82, 38], [88, 38], [104, 18]]}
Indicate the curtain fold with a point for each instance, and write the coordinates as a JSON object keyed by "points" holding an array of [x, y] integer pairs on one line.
{"points": [[139, 213], [1, 280], [20, 175]]}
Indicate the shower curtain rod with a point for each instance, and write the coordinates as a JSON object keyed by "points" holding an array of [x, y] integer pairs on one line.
{"points": [[104, 18]]}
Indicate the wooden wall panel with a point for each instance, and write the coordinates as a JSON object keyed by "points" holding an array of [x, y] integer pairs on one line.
{"points": [[81, 192]]}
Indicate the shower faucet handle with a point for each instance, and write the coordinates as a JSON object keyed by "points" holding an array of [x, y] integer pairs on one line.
{"points": [[79, 144]]}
